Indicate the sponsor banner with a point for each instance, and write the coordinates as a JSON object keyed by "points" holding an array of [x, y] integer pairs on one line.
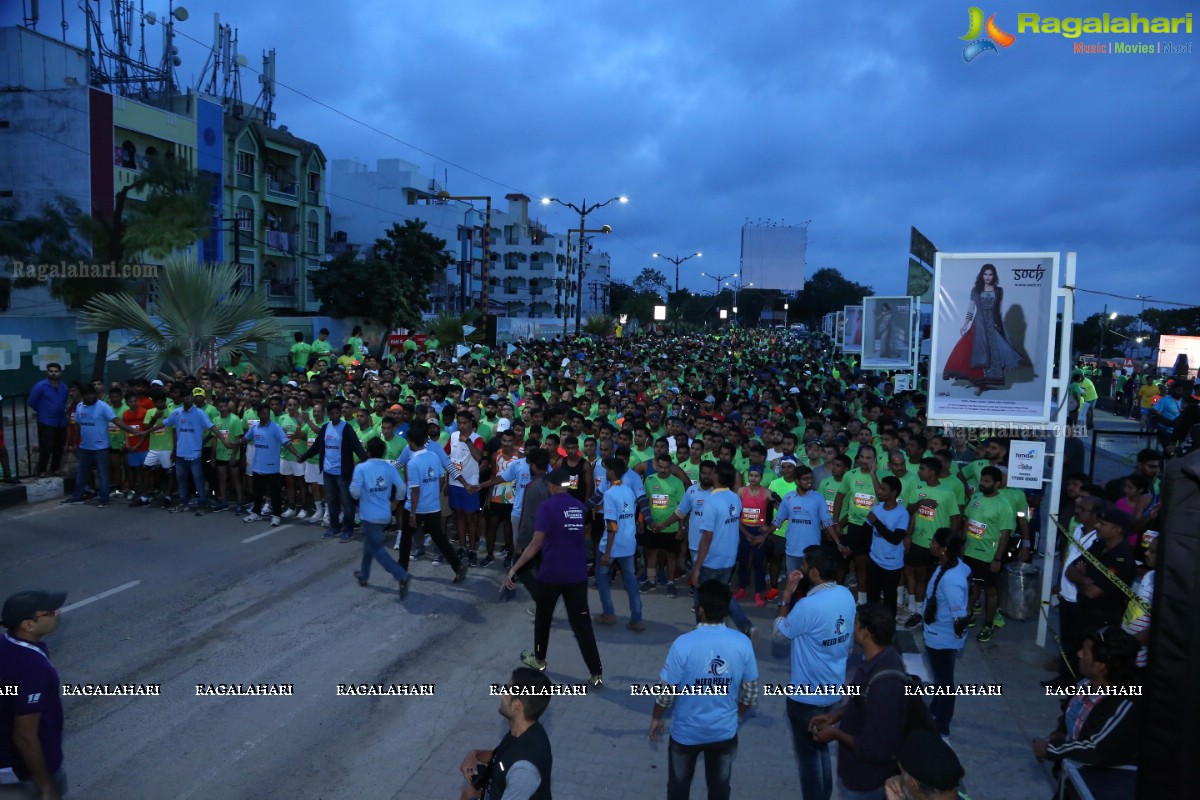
{"points": [[993, 337], [852, 329], [1025, 463], [887, 332]]}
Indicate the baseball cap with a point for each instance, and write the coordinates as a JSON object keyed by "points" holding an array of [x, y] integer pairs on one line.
{"points": [[929, 760], [1116, 516], [198, 392], [156, 382], [503, 424], [559, 477], [789, 460], [25, 605]]}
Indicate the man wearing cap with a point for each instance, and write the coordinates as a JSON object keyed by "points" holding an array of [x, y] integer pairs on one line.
{"points": [[31, 723], [929, 770], [190, 423]]}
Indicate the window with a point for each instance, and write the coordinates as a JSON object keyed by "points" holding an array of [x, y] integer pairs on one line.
{"points": [[314, 234], [245, 219], [245, 163]]}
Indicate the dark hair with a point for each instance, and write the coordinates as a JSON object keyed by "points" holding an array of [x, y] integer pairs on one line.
{"points": [[933, 463], [713, 598], [844, 460], [726, 474], [537, 458], [893, 483], [992, 472], [1117, 651], [953, 541], [616, 466], [1143, 456], [979, 277], [418, 435], [533, 702], [878, 622], [870, 447], [54, 364], [376, 448], [1139, 482], [821, 559], [298, 336]]}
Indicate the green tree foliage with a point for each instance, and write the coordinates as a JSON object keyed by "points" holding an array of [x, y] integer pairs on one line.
{"points": [[389, 286], [651, 281], [1118, 335], [827, 290], [200, 314], [1173, 321]]}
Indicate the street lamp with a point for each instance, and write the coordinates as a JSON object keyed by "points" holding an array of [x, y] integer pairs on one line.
{"points": [[718, 279], [605, 229], [676, 260], [1104, 323], [736, 288], [583, 209], [484, 271]]}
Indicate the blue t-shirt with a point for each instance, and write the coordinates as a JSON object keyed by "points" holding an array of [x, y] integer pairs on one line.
{"points": [[634, 482], [93, 424], [722, 515], [267, 440], [711, 655], [425, 472], [374, 484], [884, 553], [620, 507], [517, 473], [333, 449], [691, 508], [806, 516], [27, 666], [821, 629], [951, 604], [190, 425]]}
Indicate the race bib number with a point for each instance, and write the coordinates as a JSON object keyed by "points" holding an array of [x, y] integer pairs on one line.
{"points": [[976, 529], [112, 428], [926, 512], [574, 482], [311, 440], [751, 516], [223, 431], [659, 500], [864, 501], [829, 505]]}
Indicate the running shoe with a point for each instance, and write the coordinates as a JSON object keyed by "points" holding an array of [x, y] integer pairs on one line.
{"points": [[219, 507], [597, 681], [358, 576], [329, 533], [759, 601], [70, 501], [473, 558], [530, 660], [646, 586], [772, 594], [344, 538], [740, 594], [671, 593], [461, 575], [102, 504], [487, 561], [251, 517], [998, 621], [288, 513], [302, 515], [606, 619], [913, 622], [275, 522], [986, 634], [636, 627]]}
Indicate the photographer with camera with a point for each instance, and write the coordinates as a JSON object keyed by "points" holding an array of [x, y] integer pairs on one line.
{"points": [[519, 767]]}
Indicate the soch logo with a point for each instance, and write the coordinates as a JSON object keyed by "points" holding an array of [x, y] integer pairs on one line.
{"points": [[995, 36]]}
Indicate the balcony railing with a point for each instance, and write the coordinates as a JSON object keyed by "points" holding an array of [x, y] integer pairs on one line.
{"points": [[282, 189], [282, 288], [279, 240]]}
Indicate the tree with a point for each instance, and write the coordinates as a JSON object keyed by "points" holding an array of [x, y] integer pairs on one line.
{"points": [[1173, 321], [165, 209], [826, 291], [450, 329], [651, 281], [390, 286], [1115, 334], [202, 316], [598, 324]]}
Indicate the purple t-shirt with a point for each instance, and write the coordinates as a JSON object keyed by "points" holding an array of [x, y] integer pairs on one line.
{"points": [[564, 552], [27, 666]]}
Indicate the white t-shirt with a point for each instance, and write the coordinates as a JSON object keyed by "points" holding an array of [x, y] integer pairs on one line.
{"points": [[1068, 590]]}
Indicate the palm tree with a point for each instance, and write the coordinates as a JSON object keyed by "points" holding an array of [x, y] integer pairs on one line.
{"points": [[598, 324], [448, 328], [202, 319]]}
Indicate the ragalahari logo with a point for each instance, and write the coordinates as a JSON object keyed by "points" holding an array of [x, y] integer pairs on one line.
{"points": [[995, 36]]}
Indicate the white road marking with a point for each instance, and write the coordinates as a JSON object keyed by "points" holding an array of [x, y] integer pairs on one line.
{"points": [[31, 513], [101, 596], [265, 534]]}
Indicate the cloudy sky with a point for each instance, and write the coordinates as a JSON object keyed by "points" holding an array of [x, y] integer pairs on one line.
{"points": [[862, 117]]}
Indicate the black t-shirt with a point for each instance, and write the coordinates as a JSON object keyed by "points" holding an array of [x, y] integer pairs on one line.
{"points": [[1109, 606]]}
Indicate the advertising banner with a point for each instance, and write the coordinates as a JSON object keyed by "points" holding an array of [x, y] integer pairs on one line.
{"points": [[839, 329], [852, 333], [1179, 354], [993, 337], [1025, 464], [887, 332]]}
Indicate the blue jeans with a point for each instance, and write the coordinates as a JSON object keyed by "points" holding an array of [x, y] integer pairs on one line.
{"points": [[337, 499], [718, 766], [850, 794], [752, 557], [189, 472], [89, 460], [373, 550], [816, 770], [629, 576], [793, 563], [941, 668], [735, 610]]}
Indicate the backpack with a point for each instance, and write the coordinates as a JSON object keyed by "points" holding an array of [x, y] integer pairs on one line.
{"points": [[919, 718]]}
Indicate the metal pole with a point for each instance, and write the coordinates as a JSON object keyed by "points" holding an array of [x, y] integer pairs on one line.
{"points": [[484, 274], [579, 285], [1049, 543], [1103, 329]]}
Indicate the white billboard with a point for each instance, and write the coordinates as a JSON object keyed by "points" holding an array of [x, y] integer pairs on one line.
{"points": [[852, 335], [887, 332]]}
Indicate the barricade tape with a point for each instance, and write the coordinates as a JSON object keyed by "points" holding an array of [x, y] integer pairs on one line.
{"points": [[1057, 641], [1095, 562]]}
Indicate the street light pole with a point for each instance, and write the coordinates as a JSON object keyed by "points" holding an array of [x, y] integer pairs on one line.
{"points": [[676, 260], [605, 229], [718, 279], [583, 209]]}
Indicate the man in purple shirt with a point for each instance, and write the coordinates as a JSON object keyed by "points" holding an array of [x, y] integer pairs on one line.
{"points": [[558, 534], [31, 721], [48, 399]]}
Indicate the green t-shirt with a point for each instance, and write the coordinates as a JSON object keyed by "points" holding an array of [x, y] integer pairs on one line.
{"points": [[163, 440], [781, 488], [356, 345], [908, 484], [321, 347], [927, 520], [956, 485], [232, 425], [971, 472], [859, 489], [664, 495], [289, 424], [300, 353], [116, 436], [829, 488], [986, 519], [1016, 498], [638, 456], [690, 469]]}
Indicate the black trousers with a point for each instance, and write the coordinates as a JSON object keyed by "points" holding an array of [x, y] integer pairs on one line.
{"points": [[51, 441], [881, 585], [575, 598], [432, 524], [271, 486]]}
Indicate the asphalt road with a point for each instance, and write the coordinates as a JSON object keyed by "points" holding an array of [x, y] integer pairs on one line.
{"points": [[179, 600]]}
